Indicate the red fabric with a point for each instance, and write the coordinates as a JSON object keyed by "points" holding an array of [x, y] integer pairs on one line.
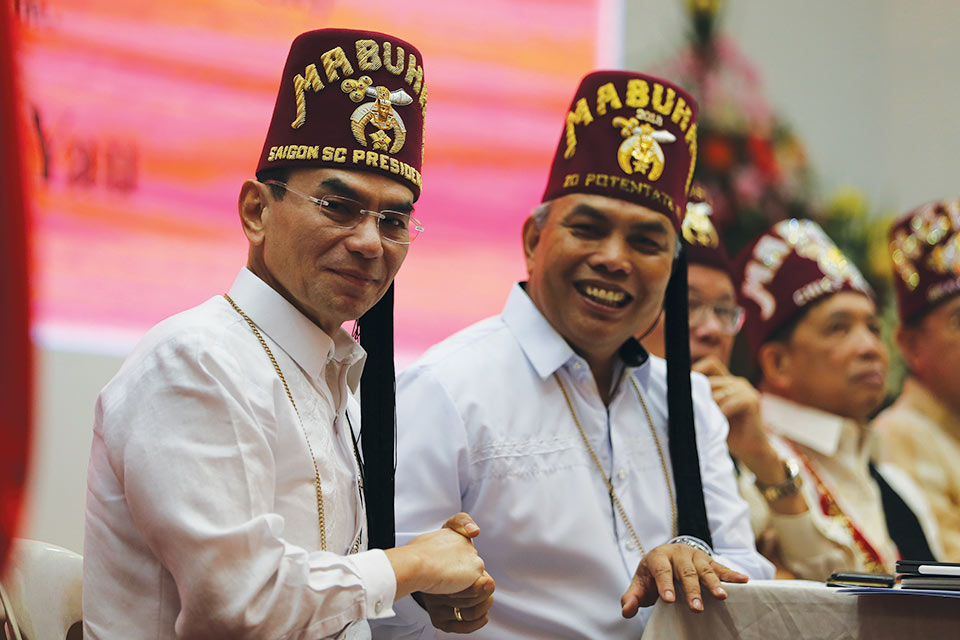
{"points": [[598, 156], [925, 250], [324, 67], [790, 266], [15, 374]]}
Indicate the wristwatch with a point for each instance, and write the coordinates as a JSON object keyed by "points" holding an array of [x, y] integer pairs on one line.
{"points": [[786, 488], [692, 541]]}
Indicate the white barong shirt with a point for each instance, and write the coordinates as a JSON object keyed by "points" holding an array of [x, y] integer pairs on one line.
{"points": [[201, 505]]}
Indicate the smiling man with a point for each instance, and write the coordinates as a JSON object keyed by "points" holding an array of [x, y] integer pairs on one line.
{"points": [[813, 329], [227, 495], [554, 426]]}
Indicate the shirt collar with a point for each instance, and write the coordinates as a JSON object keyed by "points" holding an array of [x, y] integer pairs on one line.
{"points": [[807, 426], [295, 333], [543, 346]]}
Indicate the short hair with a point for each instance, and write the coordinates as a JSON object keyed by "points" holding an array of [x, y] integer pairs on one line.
{"points": [[540, 213], [280, 174], [918, 318]]}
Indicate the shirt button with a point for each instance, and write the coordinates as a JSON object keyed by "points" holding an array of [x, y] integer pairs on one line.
{"points": [[630, 545], [623, 474], [377, 608], [576, 365]]}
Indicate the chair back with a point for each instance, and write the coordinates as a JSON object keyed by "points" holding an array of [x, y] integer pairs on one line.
{"points": [[41, 589]]}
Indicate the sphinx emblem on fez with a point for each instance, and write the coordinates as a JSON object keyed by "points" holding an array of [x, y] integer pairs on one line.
{"points": [[698, 227], [380, 113], [641, 151]]}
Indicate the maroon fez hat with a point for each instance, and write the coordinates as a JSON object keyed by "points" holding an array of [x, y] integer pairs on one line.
{"points": [[350, 100], [628, 136], [789, 267], [925, 250], [703, 243]]}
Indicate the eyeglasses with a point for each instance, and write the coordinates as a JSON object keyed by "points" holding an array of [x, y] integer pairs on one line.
{"points": [[730, 316], [346, 213]]}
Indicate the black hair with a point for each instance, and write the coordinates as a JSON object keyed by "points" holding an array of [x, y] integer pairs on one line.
{"points": [[280, 174], [784, 333], [918, 318]]}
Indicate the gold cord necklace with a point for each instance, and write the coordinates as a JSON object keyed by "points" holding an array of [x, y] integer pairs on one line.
{"points": [[596, 461], [316, 470]]}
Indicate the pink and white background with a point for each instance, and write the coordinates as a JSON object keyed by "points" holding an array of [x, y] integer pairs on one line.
{"points": [[145, 118]]}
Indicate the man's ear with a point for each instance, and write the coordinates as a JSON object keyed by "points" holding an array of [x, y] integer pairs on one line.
{"points": [[775, 363], [907, 342], [252, 205], [531, 238]]}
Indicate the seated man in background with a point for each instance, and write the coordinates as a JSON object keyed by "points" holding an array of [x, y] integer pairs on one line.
{"points": [[920, 433], [225, 493], [813, 330], [552, 424], [783, 525]]}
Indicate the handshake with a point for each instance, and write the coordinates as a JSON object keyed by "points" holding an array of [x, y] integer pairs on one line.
{"points": [[446, 575]]}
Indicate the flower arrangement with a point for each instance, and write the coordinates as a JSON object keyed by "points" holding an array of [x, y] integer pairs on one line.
{"points": [[752, 165], [755, 169]]}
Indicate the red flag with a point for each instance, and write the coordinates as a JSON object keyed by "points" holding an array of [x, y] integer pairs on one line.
{"points": [[15, 349]]}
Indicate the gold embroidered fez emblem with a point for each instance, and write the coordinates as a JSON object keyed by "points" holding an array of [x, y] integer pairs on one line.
{"points": [[380, 113], [641, 151], [810, 241], [929, 226], [698, 227]]}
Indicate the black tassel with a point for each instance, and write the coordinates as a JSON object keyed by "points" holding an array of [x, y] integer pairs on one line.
{"points": [[691, 510], [378, 421]]}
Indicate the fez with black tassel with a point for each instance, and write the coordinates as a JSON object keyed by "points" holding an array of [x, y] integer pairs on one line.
{"points": [[691, 509], [378, 432]]}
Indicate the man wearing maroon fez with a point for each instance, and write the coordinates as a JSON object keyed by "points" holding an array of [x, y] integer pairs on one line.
{"points": [[813, 330], [921, 431], [714, 316], [715, 320], [230, 485], [594, 485]]}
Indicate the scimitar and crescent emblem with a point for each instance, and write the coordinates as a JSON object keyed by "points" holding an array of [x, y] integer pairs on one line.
{"points": [[697, 226], [641, 152], [380, 113]]}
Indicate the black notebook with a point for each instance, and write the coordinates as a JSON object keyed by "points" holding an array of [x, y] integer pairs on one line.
{"points": [[918, 574]]}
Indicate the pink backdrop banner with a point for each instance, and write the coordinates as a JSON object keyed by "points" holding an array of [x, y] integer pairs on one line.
{"points": [[146, 117]]}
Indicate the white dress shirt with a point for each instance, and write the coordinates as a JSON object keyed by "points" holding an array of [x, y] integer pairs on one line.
{"points": [[201, 505], [483, 428]]}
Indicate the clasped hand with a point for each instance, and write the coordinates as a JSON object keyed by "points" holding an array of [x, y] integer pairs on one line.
{"points": [[472, 604]]}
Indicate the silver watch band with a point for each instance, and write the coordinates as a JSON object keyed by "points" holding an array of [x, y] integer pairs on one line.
{"points": [[692, 541]]}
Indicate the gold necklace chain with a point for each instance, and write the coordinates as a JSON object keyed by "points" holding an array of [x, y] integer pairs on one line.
{"points": [[596, 461], [316, 470]]}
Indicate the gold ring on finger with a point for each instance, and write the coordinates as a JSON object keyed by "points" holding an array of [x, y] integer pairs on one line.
{"points": [[456, 614]]}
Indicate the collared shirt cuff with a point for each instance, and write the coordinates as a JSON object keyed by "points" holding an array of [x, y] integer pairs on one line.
{"points": [[692, 541], [379, 582], [797, 533]]}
